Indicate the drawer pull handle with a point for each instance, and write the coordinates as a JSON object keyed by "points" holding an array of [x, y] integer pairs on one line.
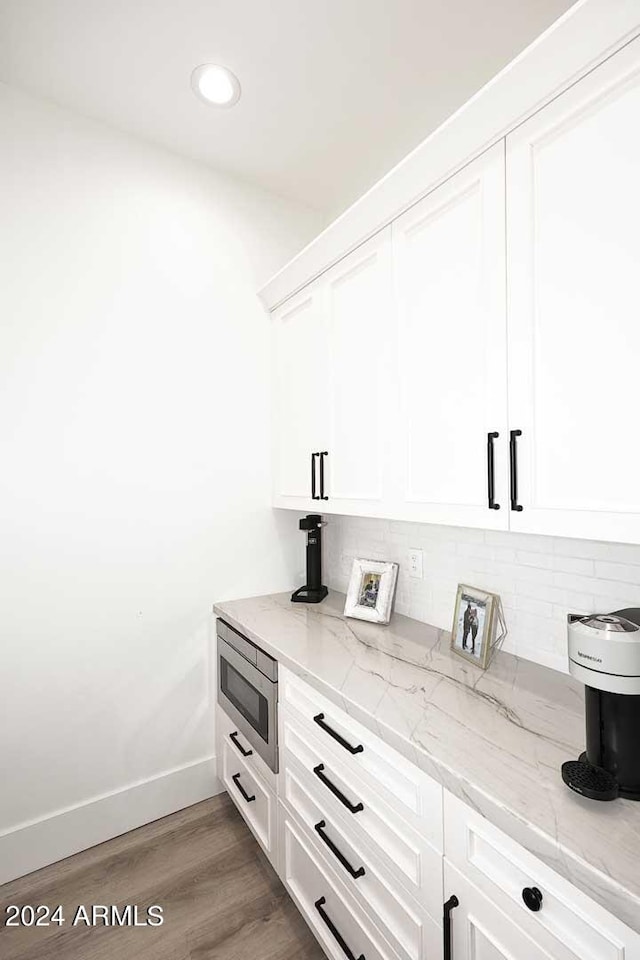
{"points": [[351, 807], [446, 925], [320, 720], [325, 453], [513, 468], [234, 739], [335, 933], [319, 828], [236, 780], [532, 898], [491, 478]]}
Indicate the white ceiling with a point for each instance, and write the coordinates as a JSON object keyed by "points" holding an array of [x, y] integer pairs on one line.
{"points": [[334, 91]]}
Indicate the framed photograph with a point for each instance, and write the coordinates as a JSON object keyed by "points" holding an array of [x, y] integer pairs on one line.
{"points": [[473, 625], [371, 590]]}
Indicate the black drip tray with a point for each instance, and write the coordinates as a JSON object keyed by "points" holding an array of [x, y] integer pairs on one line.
{"points": [[589, 781]]}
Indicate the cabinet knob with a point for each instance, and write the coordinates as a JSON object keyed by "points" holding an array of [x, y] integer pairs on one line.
{"points": [[532, 898]]}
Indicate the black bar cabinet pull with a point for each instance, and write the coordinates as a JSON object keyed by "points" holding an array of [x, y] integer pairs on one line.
{"points": [[236, 780], [335, 933], [491, 471], [322, 455], [319, 828], [446, 925], [234, 739], [314, 495], [351, 807], [513, 463], [320, 720]]}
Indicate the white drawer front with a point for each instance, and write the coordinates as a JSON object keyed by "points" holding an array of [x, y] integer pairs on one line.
{"points": [[568, 924], [227, 730], [329, 910], [253, 798], [406, 855], [414, 794], [342, 847]]}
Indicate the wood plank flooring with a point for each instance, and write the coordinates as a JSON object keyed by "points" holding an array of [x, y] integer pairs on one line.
{"points": [[220, 896]]}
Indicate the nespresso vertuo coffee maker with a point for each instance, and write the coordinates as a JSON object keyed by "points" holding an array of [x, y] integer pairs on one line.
{"points": [[604, 653], [313, 591]]}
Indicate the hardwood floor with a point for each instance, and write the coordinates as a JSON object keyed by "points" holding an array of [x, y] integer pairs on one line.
{"points": [[221, 898]]}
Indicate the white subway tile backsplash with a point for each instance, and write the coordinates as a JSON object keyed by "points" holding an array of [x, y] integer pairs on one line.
{"points": [[573, 565], [617, 571], [504, 554], [517, 541], [539, 591], [540, 579], [614, 603], [534, 574], [541, 608], [620, 552], [589, 549], [540, 560]]}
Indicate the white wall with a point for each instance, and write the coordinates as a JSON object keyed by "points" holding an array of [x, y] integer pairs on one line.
{"points": [[134, 454], [540, 579]]}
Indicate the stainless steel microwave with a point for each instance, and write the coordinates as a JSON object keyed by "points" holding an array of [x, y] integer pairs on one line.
{"points": [[248, 691]]}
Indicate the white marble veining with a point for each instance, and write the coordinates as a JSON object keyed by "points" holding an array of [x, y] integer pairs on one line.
{"points": [[495, 739]]}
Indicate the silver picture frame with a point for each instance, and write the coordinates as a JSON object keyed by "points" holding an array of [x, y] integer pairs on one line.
{"points": [[371, 590]]}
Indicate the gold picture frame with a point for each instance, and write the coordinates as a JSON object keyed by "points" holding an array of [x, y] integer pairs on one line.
{"points": [[474, 621]]}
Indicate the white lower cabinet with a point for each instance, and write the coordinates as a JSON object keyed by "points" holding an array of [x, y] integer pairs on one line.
{"points": [[342, 927], [226, 730], [480, 931], [546, 907], [379, 772], [371, 863], [254, 798], [409, 861], [406, 926]]}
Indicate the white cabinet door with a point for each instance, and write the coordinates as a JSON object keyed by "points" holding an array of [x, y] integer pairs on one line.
{"points": [[573, 206], [333, 364], [300, 395], [568, 925], [479, 931], [449, 269], [360, 336]]}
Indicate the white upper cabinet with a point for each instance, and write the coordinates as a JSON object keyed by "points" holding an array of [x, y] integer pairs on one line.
{"points": [[476, 361], [300, 396], [573, 215], [333, 362], [359, 331], [449, 271]]}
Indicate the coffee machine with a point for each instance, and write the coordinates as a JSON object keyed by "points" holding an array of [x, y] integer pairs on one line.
{"points": [[604, 653], [314, 590]]}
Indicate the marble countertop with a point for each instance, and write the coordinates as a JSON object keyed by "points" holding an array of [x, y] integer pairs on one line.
{"points": [[495, 739]]}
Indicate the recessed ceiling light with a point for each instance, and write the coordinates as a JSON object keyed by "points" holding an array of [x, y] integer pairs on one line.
{"points": [[215, 85]]}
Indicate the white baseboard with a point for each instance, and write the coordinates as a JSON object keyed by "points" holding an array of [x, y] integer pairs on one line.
{"points": [[39, 843]]}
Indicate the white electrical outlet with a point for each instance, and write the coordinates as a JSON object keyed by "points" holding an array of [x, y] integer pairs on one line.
{"points": [[415, 564]]}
